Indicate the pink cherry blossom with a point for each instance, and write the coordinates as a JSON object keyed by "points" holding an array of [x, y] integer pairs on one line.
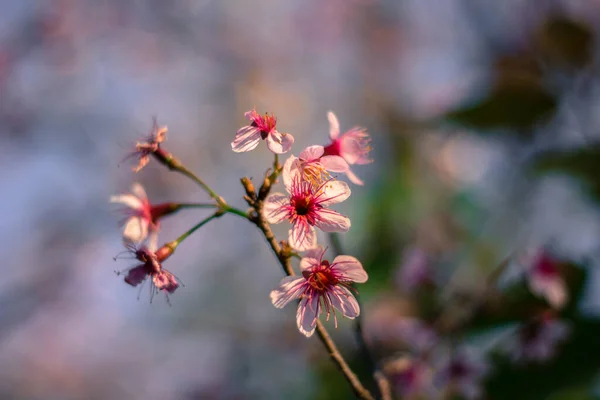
{"points": [[537, 339], [544, 279], [313, 165], [151, 145], [262, 127], [462, 372], [139, 222], [322, 287], [305, 208], [161, 279], [353, 146]]}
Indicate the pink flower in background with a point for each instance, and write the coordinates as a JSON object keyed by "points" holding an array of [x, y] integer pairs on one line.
{"points": [[151, 145], [544, 279], [353, 146], [305, 208], [462, 373], [323, 287], [262, 127], [411, 378], [537, 340], [161, 279], [313, 166], [414, 271]]}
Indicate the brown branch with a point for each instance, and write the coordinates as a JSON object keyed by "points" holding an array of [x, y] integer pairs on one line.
{"points": [[284, 254]]}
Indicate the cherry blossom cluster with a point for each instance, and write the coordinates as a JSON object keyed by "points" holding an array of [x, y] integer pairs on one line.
{"points": [[323, 286]]}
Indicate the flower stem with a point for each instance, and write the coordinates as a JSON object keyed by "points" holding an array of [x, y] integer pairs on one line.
{"points": [[284, 255], [197, 205], [199, 225], [200, 182]]}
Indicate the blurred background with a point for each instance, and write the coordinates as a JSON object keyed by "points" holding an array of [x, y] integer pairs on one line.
{"points": [[485, 133]]}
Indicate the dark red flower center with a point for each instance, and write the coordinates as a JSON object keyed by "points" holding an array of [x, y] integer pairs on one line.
{"points": [[321, 278], [333, 149], [265, 124]]}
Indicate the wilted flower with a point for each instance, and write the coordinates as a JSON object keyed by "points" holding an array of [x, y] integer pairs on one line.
{"points": [[537, 340], [323, 287], [151, 145], [262, 127], [313, 166], [353, 146], [544, 279], [142, 218], [462, 373], [305, 208], [151, 266]]}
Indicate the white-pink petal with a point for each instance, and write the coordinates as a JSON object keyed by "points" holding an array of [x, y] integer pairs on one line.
{"points": [[302, 236], [316, 253], [290, 288], [334, 192], [291, 171], [353, 178], [351, 268], [332, 221], [306, 316], [129, 200], [334, 164], [312, 153], [334, 125], [138, 191], [309, 262], [136, 229], [275, 208], [553, 289], [246, 139], [342, 299], [279, 143]]}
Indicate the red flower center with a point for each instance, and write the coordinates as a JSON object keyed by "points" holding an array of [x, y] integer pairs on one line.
{"points": [[265, 124], [333, 149], [321, 278]]}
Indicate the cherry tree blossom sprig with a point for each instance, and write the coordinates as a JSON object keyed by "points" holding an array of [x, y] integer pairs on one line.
{"points": [[324, 284]]}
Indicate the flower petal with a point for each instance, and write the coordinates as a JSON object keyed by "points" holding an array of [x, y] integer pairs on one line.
{"points": [[353, 178], [302, 236], [127, 199], [316, 253], [246, 139], [552, 288], [312, 153], [342, 299], [334, 125], [136, 229], [351, 268], [306, 316], [136, 275], [334, 164], [309, 262], [290, 288], [332, 221], [138, 191], [291, 170], [333, 192], [275, 209], [279, 143]]}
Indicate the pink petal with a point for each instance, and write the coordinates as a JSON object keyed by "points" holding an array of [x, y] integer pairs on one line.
{"points": [[306, 316], [334, 192], [290, 288], [246, 139], [343, 300], [334, 164], [332, 221], [275, 209], [552, 288], [138, 191], [127, 199], [291, 170], [309, 262], [136, 275], [334, 125], [316, 253], [302, 236], [353, 178], [279, 143], [136, 229], [351, 268], [312, 153]]}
